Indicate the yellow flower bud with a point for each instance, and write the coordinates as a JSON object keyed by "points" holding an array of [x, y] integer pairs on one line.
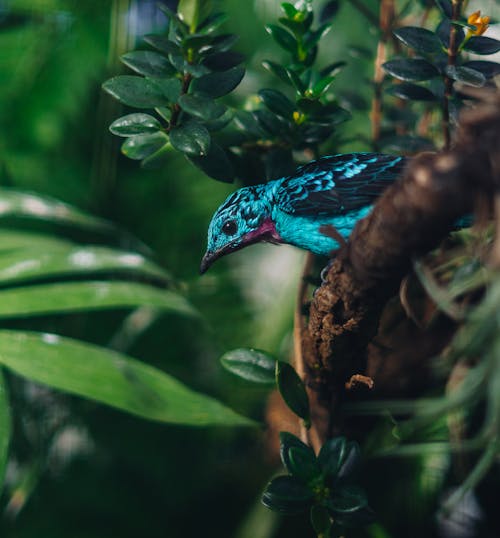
{"points": [[481, 23]]}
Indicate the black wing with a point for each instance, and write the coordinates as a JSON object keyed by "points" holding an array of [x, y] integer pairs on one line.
{"points": [[338, 184]]}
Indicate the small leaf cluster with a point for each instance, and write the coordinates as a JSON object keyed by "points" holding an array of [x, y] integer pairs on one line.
{"points": [[180, 82], [425, 76], [320, 484], [304, 114]]}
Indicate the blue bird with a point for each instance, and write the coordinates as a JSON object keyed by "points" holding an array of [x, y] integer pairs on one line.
{"points": [[301, 209]]}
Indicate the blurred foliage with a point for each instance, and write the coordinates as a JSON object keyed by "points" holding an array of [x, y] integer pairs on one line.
{"points": [[77, 468]]}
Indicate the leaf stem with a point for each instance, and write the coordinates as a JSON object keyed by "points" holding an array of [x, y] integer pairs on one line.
{"points": [[448, 81], [176, 109]]}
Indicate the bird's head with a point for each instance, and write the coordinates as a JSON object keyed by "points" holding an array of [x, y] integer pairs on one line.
{"points": [[243, 219]]}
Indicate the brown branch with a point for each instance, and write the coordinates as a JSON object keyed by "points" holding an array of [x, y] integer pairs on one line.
{"points": [[410, 218]]}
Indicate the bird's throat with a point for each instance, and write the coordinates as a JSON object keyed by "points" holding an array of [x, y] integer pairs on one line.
{"points": [[265, 232]]}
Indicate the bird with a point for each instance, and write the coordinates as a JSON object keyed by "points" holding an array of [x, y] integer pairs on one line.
{"points": [[313, 209]]}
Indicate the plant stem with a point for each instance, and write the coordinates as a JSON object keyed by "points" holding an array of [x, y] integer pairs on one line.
{"points": [[386, 17], [448, 81], [186, 81]]}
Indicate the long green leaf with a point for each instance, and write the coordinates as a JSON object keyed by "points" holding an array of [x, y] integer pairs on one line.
{"points": [[5, 427], [111, 378], [62, 297], [65, 259]]}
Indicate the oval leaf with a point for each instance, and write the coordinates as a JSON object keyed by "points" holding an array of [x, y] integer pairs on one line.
{"points": [[170, 88], [287, 495], [163, 44], [215, 164], [202, 107], [413, 92], [292, 389], [320, 520], [331, 456], [347, 500], [419, 39], [191, 138], [110, 378], [134, 124], [287, 442], [250, 364], [488, 69], [278, 103], [140, 146], [443, 32], [412, 69], [303, 464], [135, 91], [282, 37], [466, 75], [482, 45], [222, 61], [148, 63], [218, 84]]}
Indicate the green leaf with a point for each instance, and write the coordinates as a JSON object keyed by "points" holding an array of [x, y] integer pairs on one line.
{"points": [[278, 103], [412, 69], [412, 92], [190, 11], [292, 390], [443, 32], [482, 45], [110, 378], [303, 464], [27, 205], [329, 10], [135, 91], [313, 38], [287, 442], [321, 86], [148, 63], [251, 364], [158, 158], [466, 75], [320, 520], [332, 455], [270, 123], [5, 427], [134, 124], [138, 147], [332, 69], [163, 44], [220, 43], [170, 88], [219, 84], [445, 7], [287, 495], [64, 259], [64, 297], [215, 164], [487, 69], [191, 138], [220, 122], [282, 37], [347, 500], [212, 22], [201, 107], [223, 61], [290, 10], [419, 39]]}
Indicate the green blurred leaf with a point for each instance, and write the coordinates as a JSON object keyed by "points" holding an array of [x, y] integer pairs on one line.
{"points": [[287, 495], [251, 364], [158, 158], [445, 7], [220, 122], [321, 86], [347, 500], [219, 84], [278, 103], [38, 261], [488, 69], [313, 38], [412, 69], [290, 10], [329, 10], [413, 92], [292, 390], [148, 63], [332, 69], [443, 32], [320, 520], [191, 11], [201, 107], [419, 39], [289, 441], [220, 43], [212, 22], [270, 123], [135, 91], [482, 45], [138, 147], [5, 427], [134, 124], [170, 88], [223, 61], [215, 164], [110, 378], [163, 44], [191, 138], [28, 205], [466, 75], [64, 297], [282, 37]]}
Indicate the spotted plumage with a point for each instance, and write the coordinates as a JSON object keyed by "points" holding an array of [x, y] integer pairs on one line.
{"points": [[300, 209]]}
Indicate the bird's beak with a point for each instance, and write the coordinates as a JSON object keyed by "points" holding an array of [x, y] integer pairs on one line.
{"points": [[207, 261]]}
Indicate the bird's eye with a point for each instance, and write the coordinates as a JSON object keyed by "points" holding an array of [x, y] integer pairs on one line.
{"points": [[229, 227]]}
